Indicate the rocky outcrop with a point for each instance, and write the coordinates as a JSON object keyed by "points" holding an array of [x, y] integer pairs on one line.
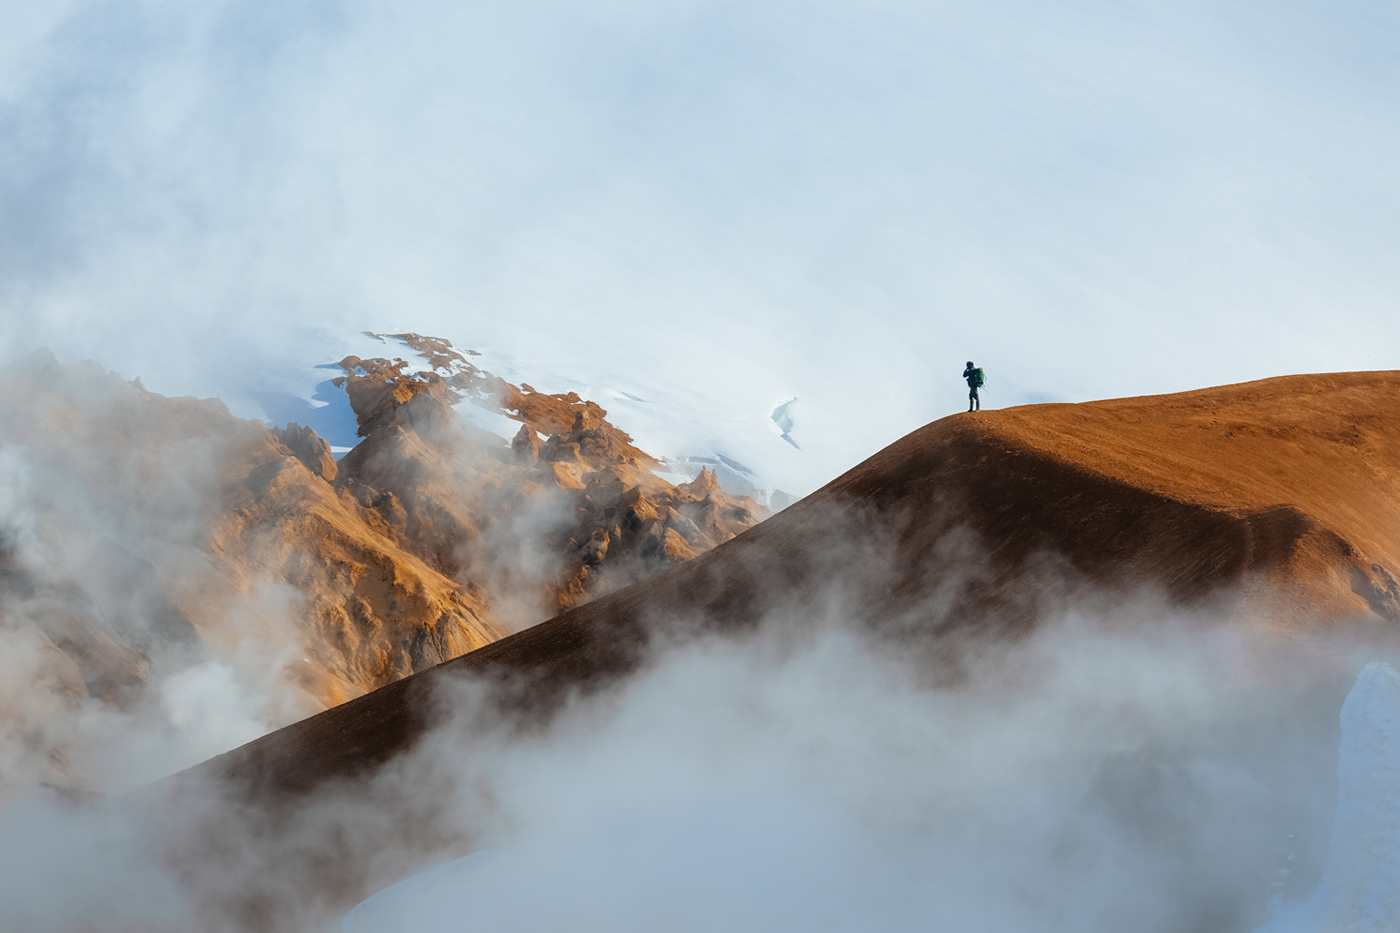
{"points": [[1380, 590], [308, 447], [147, 533], [371, 611], [570, 490]]}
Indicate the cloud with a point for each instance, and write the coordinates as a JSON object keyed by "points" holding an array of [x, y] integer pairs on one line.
{"points": [[64, 867], [836, 202], [1105, 773], [124, 653]]}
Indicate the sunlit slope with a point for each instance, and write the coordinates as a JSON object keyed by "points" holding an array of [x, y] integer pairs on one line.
{"points": [[1289, 486], [1272, 502]]}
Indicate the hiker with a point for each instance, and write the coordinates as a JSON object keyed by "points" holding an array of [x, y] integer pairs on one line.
{"points": [[975, 380]]}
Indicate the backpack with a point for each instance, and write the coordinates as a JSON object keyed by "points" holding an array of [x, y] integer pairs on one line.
{"points": [[978, 377]]}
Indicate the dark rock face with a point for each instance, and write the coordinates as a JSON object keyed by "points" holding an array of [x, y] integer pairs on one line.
{"points": [[1379, 589]]}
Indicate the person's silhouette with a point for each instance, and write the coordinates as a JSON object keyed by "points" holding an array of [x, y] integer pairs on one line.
{"points": [[974, 378]]}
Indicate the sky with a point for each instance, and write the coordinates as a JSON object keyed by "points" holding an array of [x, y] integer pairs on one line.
{"points": [[724, 204], [696, 212]]}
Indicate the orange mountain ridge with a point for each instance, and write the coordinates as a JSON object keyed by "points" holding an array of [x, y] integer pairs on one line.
{"points": [[1272, 503]]}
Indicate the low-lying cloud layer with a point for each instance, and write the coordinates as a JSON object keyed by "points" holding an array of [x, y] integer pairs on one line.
{"points": [[1133, 771], [1086, 781]]}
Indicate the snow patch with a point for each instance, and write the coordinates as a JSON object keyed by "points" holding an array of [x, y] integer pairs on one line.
{"points": [[486, 419], [1360, 888], [756, 455], [307, 394], [782, 419], [416, 903]]}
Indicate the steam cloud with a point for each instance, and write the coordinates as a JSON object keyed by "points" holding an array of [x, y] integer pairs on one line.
{"points": [[1084, 781], [1123, 772], [1125, 768], [104, 516]]}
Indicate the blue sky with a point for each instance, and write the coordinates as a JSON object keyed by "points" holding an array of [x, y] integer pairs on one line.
{"points": [[741, 202]]}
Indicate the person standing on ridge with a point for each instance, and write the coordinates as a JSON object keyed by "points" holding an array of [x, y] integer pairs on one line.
{"points": [[975, 380]]}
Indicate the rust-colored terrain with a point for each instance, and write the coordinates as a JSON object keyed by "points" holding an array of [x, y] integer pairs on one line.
{"points": [[1275, 503]]}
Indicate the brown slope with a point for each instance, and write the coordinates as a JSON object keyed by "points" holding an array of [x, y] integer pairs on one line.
{"points": [[1309, 462], [1277, 500]]}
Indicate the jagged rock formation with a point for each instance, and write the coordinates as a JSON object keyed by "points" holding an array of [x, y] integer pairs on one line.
{"points": [[605, 518], [310, 448], [140, 535], [372, 610]]}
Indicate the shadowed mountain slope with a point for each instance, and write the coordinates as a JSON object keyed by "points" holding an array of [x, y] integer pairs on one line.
{"points": [[1275, 503]]}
